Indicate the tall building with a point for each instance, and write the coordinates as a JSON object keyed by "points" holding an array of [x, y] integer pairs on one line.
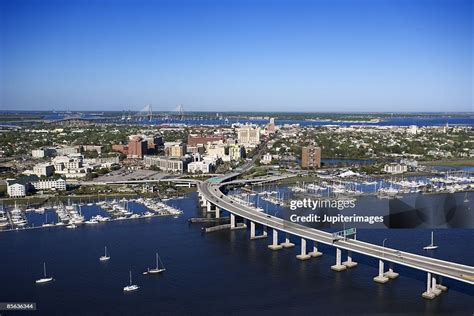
{"points": [[236, 152], [248, 135], [154, 141], [311, 157], [175, 149], [137, 147]]}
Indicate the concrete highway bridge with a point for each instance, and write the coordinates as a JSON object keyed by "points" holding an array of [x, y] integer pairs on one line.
{"points": [[212, 198]]}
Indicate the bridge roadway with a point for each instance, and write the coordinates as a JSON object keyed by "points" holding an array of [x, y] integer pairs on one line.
{"points": [[211, 192]]}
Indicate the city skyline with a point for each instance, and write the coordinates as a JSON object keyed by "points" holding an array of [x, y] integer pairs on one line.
{"points": [[280, 56]]}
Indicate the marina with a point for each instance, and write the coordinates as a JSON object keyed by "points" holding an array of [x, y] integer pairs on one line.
{"points": [[73, 215], [349, 184]]}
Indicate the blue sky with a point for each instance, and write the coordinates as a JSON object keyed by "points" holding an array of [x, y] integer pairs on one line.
{"points": [[359, 55]]}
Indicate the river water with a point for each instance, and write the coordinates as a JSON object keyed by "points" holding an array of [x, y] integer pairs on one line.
{"points": [[220, 273]]}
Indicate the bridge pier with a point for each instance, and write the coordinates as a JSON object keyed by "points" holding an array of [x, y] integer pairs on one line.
{"points": [[234, 225], [275, 245], [253, 236], [381, 278], [338, 266], [429, 294], [303, 255], [434, 287], [287, 243], [349, 263], [315, 253], [390, 274]]}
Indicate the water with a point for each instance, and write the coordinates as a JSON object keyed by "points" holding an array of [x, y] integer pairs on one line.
{"points": [[396, 120], [215, 274]]}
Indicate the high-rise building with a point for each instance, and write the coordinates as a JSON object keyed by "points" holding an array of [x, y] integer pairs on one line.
{"points": [[248, 135], [154, 141], [311, 157], [137, 147], [175, 149]]}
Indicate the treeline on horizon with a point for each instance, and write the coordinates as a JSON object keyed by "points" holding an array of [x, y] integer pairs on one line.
{"points": [[353, 116]]}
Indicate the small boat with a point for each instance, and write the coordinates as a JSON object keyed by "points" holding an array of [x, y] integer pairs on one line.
{"points": [[71, 226], [432, 245], [44, 279], [90, 204], [157, 269], [131, 287], [104, 257]]}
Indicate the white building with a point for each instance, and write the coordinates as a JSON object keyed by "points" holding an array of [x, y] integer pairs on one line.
{"points": [[168, 164], [42, 152], [216, 151], [66, 150], [248, 135], [16, 190], [43, 169], [59, 184], [200, 166], [266, 159], [395, 168], [71, 166]]}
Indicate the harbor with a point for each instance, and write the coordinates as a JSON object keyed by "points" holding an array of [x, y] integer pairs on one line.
{"points": [[132, 244], [72, 215]]}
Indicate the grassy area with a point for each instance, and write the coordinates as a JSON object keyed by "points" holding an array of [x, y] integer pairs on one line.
{"points": [[450, 162]]}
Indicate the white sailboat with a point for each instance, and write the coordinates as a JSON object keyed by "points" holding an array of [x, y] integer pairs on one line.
{"points": [[432, 245], [131, 287], [44, 279], [157, 269], [104, 257], [46, 224]]}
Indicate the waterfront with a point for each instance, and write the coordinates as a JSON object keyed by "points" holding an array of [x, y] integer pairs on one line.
{"points": [[215, 273]]}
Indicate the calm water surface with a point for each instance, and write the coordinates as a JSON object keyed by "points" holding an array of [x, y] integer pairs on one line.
{"points": [[222, 273]]}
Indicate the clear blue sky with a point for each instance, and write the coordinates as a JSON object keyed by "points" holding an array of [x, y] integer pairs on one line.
{"points": [[359, 55]]}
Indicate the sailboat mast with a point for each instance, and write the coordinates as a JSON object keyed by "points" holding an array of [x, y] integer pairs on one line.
{"points": [[157, 261], [44, 269], [130, 277]]}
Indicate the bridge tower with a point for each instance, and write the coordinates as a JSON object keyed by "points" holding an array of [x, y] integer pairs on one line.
{"points": [[149, 112], [181, 112]]}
